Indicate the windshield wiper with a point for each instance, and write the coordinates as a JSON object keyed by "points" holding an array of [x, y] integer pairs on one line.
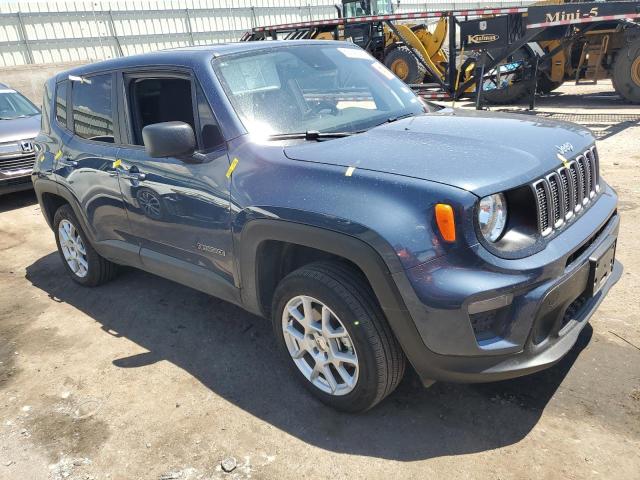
{"points": [[399, 117], [394, 119], [309, 135]]}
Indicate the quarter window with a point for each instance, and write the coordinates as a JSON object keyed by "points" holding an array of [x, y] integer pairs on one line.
{"points": [[92, 110], [209, 129], [61, 103], [45, 126]]}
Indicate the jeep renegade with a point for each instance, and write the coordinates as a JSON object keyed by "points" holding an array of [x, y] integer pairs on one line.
{"points": [[304, 182]]}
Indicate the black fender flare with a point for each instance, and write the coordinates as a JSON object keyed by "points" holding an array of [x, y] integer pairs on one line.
{"points": [[43, 186], [346, 246], [255, 232]]}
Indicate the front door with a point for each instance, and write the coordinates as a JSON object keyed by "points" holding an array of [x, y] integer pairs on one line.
{"points": [[178, 207]]}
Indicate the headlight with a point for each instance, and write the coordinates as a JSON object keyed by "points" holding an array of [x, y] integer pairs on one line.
{"points": [[492, 216]]}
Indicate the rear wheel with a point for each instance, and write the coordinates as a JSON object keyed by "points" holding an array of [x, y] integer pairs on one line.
{"points": [[83, 263], [334, 335], [405, 65], [546, 85], [626, 72]]}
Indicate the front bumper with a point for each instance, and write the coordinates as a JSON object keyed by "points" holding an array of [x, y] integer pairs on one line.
{"points": [[15, 184], [550, 302], [15, 172]]}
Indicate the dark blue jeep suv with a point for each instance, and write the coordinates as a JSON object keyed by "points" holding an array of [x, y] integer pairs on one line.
{"points": [[304, 182]]}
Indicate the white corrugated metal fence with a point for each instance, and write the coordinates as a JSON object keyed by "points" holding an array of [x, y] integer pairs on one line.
{"points": [[35, 32]]}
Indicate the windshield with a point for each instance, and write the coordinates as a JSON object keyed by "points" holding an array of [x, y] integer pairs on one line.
{"points": [[13, 105], [320, 87]]}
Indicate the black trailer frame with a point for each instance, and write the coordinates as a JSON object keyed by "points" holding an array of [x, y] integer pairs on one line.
{"points": [[492, 34]]}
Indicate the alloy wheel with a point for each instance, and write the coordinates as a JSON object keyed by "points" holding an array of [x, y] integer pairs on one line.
{"points": [[320, 345], [73, 248]]}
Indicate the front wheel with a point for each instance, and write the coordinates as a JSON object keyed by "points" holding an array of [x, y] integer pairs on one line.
{"points": [[403, 62], [332, 331]]}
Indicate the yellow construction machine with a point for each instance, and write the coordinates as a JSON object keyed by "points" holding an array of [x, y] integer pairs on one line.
{"points": [[510, 52]]}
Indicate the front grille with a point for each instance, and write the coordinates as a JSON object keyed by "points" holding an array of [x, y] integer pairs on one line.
{"points": [[12, 164], [543, 212], [554, 190], [565, 188], [564, 192]]}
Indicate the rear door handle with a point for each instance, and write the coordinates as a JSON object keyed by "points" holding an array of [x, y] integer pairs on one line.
{"points": [[68, 163], [137, 176]]}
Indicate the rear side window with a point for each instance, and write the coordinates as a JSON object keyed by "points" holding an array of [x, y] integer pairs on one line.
{"points": [[61, 103], [92, 108]]}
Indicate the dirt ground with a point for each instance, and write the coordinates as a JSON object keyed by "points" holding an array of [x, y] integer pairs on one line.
{"points": [[143, 378]]}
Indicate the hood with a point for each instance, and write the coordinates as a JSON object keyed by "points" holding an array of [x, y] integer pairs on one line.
{"points": [[482, 152], [19, 129]]}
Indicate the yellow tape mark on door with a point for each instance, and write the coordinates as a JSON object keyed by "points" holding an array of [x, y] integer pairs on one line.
{"points": [[232, 167]]}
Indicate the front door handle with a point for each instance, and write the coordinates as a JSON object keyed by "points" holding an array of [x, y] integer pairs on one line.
{"points": [[133, 174]]}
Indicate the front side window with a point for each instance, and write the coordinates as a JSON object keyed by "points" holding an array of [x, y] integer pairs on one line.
{"points": [[92, 109], [156, 100], [14, 105], [293, 89]]}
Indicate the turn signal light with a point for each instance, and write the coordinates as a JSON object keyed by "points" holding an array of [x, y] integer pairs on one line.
{"points": [[445, 221]]}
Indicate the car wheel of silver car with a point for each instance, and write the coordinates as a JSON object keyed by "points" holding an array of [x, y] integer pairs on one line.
{"points": [[335, 336], [81, 260]]}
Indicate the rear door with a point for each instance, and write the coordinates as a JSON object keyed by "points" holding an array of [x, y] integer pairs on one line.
{"points": [[178, 207], [85, 111]]}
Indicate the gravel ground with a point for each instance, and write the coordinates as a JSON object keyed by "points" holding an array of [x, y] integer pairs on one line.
{"points": [[143, 378]]}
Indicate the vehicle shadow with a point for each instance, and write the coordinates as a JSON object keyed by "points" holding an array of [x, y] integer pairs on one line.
{"points": [[232, 353], [13, 201]]}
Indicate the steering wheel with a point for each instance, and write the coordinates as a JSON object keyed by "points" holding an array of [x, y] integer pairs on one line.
{"points": [[323, 105]]}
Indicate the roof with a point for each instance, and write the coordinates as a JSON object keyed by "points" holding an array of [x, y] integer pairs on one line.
{"points": [[189, 56]]}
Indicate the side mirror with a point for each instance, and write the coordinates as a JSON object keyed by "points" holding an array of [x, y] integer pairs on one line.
{"points": [[169, 139]]}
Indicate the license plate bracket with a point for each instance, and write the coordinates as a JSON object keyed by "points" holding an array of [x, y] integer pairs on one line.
{"points": [[601, 266]]}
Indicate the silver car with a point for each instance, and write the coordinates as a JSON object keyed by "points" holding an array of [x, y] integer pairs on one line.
{"points": [[19, 124]]}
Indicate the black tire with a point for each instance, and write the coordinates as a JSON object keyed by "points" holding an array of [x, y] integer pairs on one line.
{"points": [[415, 71], [514, 92], [546, 85], [625, 73], [99, 269], [346, 292]]}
